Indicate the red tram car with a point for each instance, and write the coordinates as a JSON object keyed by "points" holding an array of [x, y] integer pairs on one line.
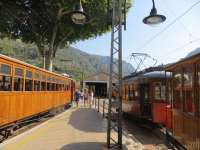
{"points": [[26, 90], [145, 96]]}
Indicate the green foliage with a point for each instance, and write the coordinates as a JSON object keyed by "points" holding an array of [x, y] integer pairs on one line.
{"points": [[47, 23]]}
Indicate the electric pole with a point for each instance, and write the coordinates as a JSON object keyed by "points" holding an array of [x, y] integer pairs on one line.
{"points": [[115, 102]]}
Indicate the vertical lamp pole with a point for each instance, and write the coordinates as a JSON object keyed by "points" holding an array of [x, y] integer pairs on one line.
{"points": [[115, 103]]}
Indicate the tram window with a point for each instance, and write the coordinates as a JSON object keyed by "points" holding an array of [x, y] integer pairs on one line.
{"points": [[159, 91], [43, 86], [5, 83], [19, 72], [63, 87], [28, 85], [56, 87], [28, 74], [129, 93], [66, 87], [189, 105], [49, 86], [53, 87], [177, 102], [5, 69], [36, 85], [60, 87], [18, 84]]}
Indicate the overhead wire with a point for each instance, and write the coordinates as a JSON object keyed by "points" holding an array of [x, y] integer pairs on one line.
{"points": [[181, 47], [169, 25], [180, 22]]}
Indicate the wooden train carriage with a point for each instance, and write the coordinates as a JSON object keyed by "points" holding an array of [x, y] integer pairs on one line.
{"points": [[186, 101], [26, 90], [144, 95]]}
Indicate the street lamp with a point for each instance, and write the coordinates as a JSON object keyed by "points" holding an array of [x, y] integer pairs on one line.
{"points": [[154, 18], [78, 16]]}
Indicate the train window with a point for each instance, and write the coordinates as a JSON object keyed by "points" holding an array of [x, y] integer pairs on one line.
{"points": [[18, 79], [43, 86], [189, 105], [18, 84], [36, 85], [66, 87], [129, 93], [5, 83], [159, 91], [37, 76], [43, 78], [62, 87], [28, 74], [49, 86], [28, 85], [57, 87], [177, 90], [53, 87], [19, 72], [5, 69]]}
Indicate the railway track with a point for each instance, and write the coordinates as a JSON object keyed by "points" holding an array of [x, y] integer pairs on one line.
{"points": [[151, 138]]}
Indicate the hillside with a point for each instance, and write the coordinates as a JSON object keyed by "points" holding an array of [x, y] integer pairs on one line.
{"points": [[82, 63]]}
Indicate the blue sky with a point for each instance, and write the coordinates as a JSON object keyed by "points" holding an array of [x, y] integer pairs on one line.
{"points": [[168, 46]]}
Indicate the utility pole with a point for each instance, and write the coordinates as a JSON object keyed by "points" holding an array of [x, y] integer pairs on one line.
{"points": [[115, 102]]}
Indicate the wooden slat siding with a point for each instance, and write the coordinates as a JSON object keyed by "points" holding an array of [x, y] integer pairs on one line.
{"points": [[178, 125], [19, 106]]}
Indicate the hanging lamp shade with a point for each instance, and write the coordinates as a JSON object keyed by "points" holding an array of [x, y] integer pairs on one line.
{"points": [[78, 16], [154, 18]]}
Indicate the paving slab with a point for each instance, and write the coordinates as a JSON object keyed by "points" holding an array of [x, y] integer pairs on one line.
{"points": [[75, 129]]}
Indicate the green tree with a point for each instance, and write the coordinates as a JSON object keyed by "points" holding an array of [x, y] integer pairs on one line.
{"points": [[47, 23]]}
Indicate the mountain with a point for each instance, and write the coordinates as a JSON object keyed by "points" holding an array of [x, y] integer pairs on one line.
{"points": [[82, 64]]}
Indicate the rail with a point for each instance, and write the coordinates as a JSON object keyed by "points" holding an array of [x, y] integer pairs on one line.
{"points": [[101, 105]]}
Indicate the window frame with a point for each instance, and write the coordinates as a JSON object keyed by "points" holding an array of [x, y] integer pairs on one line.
{"points": [[18, 77], [30, 79], [10, 75]]}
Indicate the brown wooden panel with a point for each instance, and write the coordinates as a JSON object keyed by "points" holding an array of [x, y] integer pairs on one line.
{"points": [[19, 105], [186, 129], [178, 125]]}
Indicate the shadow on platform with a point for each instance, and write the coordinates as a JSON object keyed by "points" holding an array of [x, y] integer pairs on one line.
{"points": [[84, 146], [87, 146], [88, 120]]}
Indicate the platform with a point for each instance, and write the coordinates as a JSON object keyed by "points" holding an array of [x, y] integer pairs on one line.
{"points": [[75, 129]]}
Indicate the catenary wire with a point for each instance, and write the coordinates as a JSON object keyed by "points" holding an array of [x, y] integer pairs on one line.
{"points": [[169, 25]]}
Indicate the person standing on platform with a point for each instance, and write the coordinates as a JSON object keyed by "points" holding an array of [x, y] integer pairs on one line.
{"points": [[92, 97], [85, 96], [77, 97], [89, 98]]}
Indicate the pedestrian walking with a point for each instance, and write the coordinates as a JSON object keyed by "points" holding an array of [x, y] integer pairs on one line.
{"points": [[77, 97]]}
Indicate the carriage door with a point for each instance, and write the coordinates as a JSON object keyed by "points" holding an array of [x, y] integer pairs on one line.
{"points": [[145, 104]]}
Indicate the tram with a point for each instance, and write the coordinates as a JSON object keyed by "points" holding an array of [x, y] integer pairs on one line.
{"points": [[186, 101], [26, 91], [145, 96]]}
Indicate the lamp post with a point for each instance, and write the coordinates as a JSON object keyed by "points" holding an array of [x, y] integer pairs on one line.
{"points": [[115, 103], [154, 18]]}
